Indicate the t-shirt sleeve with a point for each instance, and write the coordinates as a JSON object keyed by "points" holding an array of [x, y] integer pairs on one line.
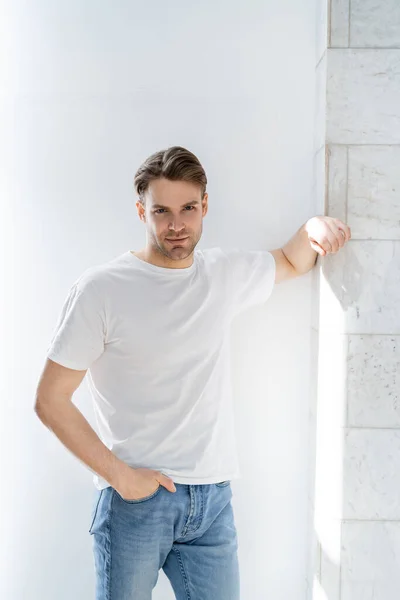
{"points": [[252, 273], [79, 337]]}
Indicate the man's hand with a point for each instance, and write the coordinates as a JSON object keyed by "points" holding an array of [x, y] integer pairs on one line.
{"points": [[138, 483], [327, 234]]}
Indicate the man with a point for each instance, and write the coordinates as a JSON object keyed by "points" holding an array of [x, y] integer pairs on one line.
{"points": [[151, 329]]}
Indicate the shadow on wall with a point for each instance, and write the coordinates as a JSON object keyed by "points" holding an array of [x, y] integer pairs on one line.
{"points": [[344, 274]]}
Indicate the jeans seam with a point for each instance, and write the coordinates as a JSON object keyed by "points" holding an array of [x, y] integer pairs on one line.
{"points": [[109, 553], [182, 570]]}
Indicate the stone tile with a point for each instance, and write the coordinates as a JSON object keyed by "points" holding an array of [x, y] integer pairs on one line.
{"points": [[320, 187], [317, 591], [370, 561], [373, 381], [337, 181], [313, 553], [332, 298], [331, 415], [320, 105], [315, 295], [321, 29], [371, 474], [312, 415], [359, 289], [331, 382], [314, 350], [339, 23], [330, 560], [375, 23], [363, 97], [374, 192]]}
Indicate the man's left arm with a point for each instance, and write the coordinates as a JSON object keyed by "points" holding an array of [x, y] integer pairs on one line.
{"points": [[319, 235]]}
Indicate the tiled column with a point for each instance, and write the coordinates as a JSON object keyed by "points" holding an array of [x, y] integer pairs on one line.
{"points": [[355, 410]]}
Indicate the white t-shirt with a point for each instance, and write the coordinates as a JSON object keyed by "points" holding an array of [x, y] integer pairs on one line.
{"points": [[156, 341]]}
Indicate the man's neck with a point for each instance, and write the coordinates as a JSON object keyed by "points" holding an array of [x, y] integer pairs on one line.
{"points": [[160, 260]]}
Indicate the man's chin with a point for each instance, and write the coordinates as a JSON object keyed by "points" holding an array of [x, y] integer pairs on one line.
{"points": [[178, 252]]}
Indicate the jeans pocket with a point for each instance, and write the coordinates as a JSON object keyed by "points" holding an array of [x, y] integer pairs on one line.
{"points": [[223, 483], [95, 506], [136, 501]]}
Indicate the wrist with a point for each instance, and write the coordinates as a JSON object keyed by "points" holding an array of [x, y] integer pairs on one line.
{"points": [[119, 472]]}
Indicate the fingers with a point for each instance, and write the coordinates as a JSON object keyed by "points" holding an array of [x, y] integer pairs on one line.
{"points": [[317, 248], [336, 236], [344, 229], [166, 482], [340, 234]]}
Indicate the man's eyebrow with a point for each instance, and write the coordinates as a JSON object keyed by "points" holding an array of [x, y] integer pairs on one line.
{"points": [[186, 204]]}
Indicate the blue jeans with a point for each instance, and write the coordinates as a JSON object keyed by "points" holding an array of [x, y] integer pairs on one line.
{"points": [[189, 533]]}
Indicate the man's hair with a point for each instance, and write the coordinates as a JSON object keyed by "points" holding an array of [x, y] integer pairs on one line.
{"points": [[174, 163]]}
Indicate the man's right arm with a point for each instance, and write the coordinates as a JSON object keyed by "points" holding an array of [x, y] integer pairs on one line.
{"points": [[54, 407]]}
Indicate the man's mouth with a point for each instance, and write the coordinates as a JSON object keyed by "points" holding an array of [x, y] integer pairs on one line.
{"points": [[177, 240]]}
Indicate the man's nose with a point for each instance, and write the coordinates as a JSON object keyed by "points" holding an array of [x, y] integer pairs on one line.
{"points": [[177, 224]]}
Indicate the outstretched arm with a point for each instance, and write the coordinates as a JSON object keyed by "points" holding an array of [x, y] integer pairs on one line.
{"points": [[319, 235]]}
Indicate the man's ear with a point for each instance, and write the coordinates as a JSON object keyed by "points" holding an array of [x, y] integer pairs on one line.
{"points": [[205, 204], [141, 210]]}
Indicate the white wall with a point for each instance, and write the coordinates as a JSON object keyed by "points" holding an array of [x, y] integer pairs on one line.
{"points": [[89, 91]]}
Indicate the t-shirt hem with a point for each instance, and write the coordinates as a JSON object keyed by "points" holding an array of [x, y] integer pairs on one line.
{"points": [[65, 362], [200, 480], [185, 480]]}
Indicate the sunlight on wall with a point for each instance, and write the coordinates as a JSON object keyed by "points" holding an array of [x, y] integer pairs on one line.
{"points": [[318, 592], [331, 420]]}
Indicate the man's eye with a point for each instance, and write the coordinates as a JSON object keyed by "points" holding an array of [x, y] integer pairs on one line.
{"points": [[191, 206]]}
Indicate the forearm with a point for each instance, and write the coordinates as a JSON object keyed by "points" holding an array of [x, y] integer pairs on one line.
{"points": [[299, 251], [66, 421]]}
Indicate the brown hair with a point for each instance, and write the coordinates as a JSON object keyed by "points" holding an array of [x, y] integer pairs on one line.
{"points": [[174, 163]]}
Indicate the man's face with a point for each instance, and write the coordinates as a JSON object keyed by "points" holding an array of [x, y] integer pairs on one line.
{"points": [[173, 209]]}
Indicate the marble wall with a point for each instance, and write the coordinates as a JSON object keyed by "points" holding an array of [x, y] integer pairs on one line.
{"points": [[355, 409]]}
